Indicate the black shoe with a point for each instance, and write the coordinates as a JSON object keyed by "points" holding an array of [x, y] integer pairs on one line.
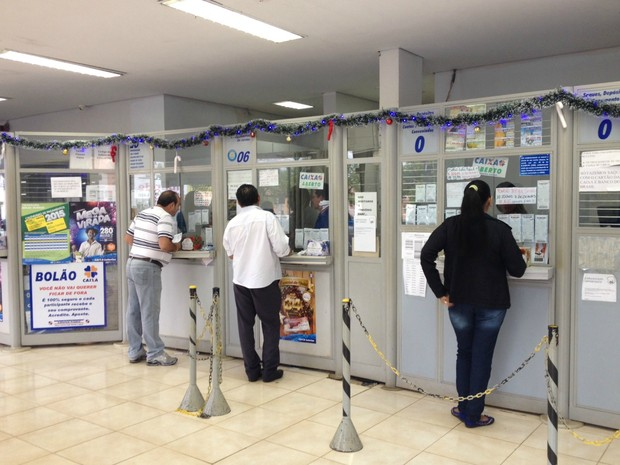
{"points": [[254, 378], [269, 377]]}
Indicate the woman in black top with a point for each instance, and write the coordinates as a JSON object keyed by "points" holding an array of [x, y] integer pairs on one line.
{"points": [[479, 250]]}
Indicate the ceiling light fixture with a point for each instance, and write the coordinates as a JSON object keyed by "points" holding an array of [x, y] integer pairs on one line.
{"points": [[2, 99], [219, 14], [57, 64], [293, 105]]}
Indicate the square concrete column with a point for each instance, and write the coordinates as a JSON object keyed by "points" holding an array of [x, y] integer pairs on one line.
{"points": [[400, 78]]}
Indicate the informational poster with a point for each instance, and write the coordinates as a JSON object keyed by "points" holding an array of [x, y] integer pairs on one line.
{"points": [[515, 195], [599, 287], [81, 158], [70, 295], [104, 157], [599, 179], [298, 309], [365, 222], [66, 187], [93, 231], [45, 233], [101, 193], [267, 178], [531, 130], [458, 173], [454, 194], [600, 158], [414, 281], [465, 137], [504, 136], [236, 179], [139, 156], [535, 165]]}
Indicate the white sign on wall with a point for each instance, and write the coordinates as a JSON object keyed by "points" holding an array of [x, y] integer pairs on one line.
{"points": [[239, 150], [415, 139], [597, 129]]}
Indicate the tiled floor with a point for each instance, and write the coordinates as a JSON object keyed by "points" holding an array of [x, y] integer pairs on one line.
{"points": [[87, 405]]}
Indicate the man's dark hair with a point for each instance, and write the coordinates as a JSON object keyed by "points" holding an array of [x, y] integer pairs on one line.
{"points": [[91, 229], [247, 195], [167, 197], [322, 192]]}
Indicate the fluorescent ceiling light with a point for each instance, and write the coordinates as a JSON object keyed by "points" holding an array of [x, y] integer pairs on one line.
{"points": [[2, 99], [294, 105], [219, 14], [57, 64]]}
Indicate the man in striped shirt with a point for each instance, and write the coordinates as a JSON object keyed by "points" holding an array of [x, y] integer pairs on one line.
{"points": [[150, 237]]}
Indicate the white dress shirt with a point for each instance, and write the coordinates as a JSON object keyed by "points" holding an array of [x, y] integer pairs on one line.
{"points": [[254, 239]]}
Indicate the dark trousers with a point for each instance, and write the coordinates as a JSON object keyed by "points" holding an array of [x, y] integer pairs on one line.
{"points": [[264, 303], [476, 332]]}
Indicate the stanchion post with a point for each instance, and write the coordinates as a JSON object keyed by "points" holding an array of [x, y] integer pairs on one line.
{"points": [[552, 396], [193, 400], [216, 404], [346, 438]]}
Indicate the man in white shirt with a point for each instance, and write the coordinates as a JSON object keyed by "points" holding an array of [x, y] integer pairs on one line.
{"points": [[254, 240]]}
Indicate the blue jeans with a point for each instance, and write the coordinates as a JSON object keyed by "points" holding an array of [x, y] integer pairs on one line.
{"points": [[476, 332], [143, 306]]}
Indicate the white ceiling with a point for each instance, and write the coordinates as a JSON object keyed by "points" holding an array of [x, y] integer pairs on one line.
{"points": [[164, 51]]}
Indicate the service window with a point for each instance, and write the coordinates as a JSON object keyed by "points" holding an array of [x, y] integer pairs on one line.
{"points": [[599, 189], [521, 190], [299, 197], [419, 192]]}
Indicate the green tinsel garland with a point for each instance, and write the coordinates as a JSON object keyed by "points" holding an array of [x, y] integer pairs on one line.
{"points": [[507, 110]]}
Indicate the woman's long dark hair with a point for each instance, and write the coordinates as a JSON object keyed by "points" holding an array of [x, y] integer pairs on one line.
{"points": [[472, 232]]}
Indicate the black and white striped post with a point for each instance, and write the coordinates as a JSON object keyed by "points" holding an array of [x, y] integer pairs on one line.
{"points": [[193, 400], [552, 397], [216, 404], [346, 438]]}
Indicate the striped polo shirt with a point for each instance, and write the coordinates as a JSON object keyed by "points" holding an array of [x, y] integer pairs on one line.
{"points": [[146, 228]]}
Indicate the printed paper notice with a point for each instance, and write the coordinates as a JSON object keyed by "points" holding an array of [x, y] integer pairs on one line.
{"points": [[414, 281], [599, 287], [66, 187], [235, 179], [599, 179], [267, 178]]}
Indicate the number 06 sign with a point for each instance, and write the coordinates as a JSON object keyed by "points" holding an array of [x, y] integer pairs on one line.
{"points": [[239, 150]]}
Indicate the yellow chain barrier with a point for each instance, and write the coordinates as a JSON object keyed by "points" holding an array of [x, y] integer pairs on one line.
{"points": [[544, 340]]}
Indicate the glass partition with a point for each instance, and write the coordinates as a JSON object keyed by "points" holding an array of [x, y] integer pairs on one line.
{"points": [[278, 148], [364, 209], [299, 197], [521, 190], [599, 189], [419, 192]]}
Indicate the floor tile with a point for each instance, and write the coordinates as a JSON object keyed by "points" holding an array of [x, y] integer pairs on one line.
{"points": [[212, 444], [259, 422], [123, 415], [14, 451], [162, 456], [66, 434], [374, 452], [408, 433], [305, 436], [472, 448], [31, 420], [266, 453], [106, 450], [166, 428]]}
